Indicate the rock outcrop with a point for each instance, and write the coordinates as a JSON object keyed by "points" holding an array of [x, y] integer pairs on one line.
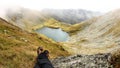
{"points": [[84, 61]]}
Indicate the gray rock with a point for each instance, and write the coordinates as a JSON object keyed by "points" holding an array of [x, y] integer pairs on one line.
{"points": [[83, 61]]}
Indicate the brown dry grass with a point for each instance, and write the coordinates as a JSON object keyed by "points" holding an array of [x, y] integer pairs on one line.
{"points": [[18, 47]]}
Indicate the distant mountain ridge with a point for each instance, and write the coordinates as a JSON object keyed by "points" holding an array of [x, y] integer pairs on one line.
{"points": [[26, 18], [70, 16]]}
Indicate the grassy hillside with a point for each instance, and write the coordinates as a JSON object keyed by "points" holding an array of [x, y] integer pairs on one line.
{"points": [[71, 29], [18, 47], [102, 35]]}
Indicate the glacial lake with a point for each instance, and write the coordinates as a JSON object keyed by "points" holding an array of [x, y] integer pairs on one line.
{"points": [[56, 34]]}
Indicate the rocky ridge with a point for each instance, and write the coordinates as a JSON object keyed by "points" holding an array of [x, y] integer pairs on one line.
{"points": [[84, 61]]}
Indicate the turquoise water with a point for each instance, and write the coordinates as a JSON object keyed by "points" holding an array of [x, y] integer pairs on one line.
{"points": [[55, 34]]}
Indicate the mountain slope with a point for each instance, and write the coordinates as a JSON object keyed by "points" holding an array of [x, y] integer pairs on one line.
{"points": [[103, 32], [102, 35], [18, 47], [24, 18]]}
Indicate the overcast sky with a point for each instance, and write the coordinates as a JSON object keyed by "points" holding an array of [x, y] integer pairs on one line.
{"points": [[93, 5]]}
